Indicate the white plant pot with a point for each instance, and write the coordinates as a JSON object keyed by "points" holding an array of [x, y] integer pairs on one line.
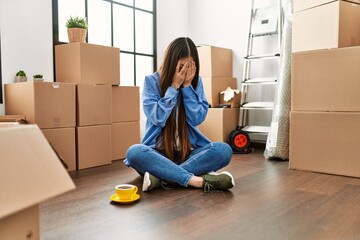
{"points": [[20, 79]]}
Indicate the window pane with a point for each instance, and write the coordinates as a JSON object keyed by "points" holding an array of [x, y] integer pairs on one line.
{"points": [[144, 66], [68, 8], [144, 32], [126, 69], [123, 28], [144, 4], [127, 2], [99, 18]]}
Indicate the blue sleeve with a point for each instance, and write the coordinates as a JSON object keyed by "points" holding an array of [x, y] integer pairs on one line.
{"points": [[195, 103], [157, 109]]}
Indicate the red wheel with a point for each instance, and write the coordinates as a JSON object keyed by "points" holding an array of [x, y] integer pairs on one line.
{"points": [[239, 141]]}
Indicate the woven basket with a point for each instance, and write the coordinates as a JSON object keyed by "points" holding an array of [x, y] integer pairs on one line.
{"points": [[76, 35]]}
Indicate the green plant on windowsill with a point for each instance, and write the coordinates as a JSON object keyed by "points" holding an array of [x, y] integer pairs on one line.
{"points": [[38, 77], [20, 76], [77, 29], [76, 22]]}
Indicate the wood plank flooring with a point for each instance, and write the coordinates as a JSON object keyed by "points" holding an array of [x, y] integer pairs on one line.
{"points": [[269, 201]]}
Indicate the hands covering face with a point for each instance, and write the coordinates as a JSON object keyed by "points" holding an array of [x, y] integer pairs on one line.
{"points": [[184, 74]]}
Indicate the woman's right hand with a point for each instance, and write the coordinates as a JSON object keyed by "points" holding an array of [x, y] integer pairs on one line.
{"points": [[180, 74]]}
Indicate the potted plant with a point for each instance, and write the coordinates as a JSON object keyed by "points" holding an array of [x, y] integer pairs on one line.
{"points": [[38, 77], [76, 28], [20, 76]]}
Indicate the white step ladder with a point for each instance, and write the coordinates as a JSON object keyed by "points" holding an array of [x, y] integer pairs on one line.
{"points": [[265, 22]]}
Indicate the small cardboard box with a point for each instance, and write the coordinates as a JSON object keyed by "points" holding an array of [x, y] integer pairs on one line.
{"points": [[93, 104], [300, 5], [234, 102], [219, 123], [87, 63], [48, 104], [326, 142], [125, 104], [30, 173], [123, 135], [333, 25], [215, 61], [11, 120], [93, 146], [326, 80], [213, 86], [63, 142]]}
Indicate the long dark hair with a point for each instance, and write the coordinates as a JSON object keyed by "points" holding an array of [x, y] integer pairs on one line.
{"points": [[179, 48]]}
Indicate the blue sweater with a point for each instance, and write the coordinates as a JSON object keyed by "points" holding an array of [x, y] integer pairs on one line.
{"points": [[157, 109]]}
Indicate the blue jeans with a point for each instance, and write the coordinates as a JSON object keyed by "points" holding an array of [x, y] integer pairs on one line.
{"points": [[208, 158]]}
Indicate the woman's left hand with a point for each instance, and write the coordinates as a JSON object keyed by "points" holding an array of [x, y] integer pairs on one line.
{"points": [[190, 74]]}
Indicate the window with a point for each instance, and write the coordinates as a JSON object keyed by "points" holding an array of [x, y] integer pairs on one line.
{"points": [[127, 24]]}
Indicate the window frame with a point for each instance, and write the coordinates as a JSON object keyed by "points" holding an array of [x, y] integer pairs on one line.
{"points": [[56, 41]]}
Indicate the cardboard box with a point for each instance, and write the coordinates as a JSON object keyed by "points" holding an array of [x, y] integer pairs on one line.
{"points": [[30, 173], [87, 63], [48, 104], [326, 80], [326, 142], [333, 25], [24, 224], [13, 118], [63, 142], [215, 61], [125, 104], [93, 104], [213, 87], [123, 135], [234, 102], [300, 5], [219, 123], [93, 146]]}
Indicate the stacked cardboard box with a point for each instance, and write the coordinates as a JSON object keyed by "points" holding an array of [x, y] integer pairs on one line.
{"points": [[94, 69], [52, 107], [125, 123], [30, 173], [216, 73], [325, 103]]}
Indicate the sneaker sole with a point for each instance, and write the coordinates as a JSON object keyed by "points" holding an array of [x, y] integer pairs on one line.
{"points": [[146, 182], [224, 172]]}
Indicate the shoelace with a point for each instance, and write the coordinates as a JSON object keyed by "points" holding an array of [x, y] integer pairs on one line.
{"points": [[208, 187], [165, 186]]}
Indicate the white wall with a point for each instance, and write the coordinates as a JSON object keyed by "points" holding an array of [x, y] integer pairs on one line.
{"points": [[26, 39], [173, 21]]}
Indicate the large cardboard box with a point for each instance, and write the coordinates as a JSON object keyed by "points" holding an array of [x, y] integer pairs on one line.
{"points": [[326, 142], [93, 146], [63, 142], [87, 63], [48, 104], [30, 173], [93, 104], [300, 5], [123, 135], [219, 123], [215, 61], [125, 104], [333, 25], [213, 86], [326, 80]]}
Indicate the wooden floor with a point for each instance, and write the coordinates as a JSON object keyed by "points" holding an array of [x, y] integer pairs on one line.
{"points": [[269, 201]]}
